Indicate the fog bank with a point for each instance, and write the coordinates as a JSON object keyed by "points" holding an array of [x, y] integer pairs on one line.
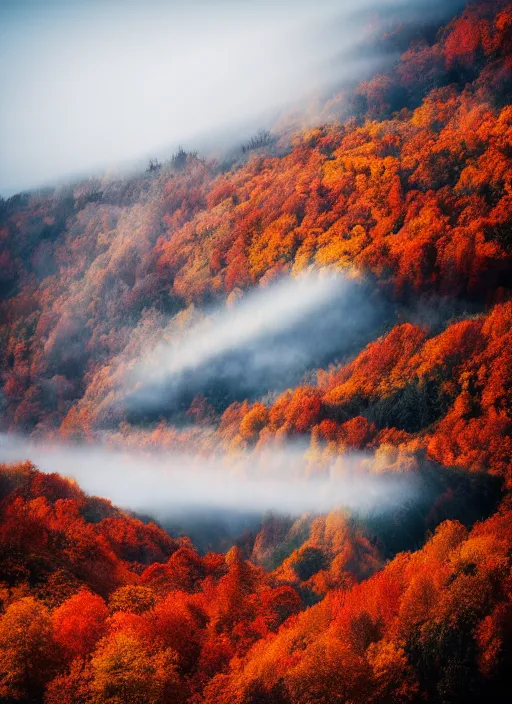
{"points": [[264, 342], [88, 85], [162, 484]]}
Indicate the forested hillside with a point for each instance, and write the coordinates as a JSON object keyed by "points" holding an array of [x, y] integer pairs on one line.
{"points": [[405, 197], [99, 607]]}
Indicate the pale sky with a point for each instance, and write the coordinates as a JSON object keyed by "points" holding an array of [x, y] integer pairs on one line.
{"points": [[89, 84]]}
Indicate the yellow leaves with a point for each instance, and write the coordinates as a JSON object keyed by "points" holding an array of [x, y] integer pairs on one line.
{"points": [[254, 421], [394, 678], [341, 247], [124, 670], [389, 458], [26, 649], [310, 137], [275, 243], [338, 395], [332, 170], [487, 552], [132, 598]]}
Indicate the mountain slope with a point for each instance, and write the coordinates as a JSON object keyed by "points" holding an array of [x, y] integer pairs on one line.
{"points": [[406, 194]]}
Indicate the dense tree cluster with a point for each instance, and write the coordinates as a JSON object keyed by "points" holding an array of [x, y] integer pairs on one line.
{"points": [[94, 614], [409, 188], [100, 607], [415, 193], [434, 625], [449, 394]]}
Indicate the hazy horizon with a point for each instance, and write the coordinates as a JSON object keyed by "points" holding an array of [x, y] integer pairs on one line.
{"points": [[90, 86]]}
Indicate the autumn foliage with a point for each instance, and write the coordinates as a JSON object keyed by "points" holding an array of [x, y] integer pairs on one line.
{"points": [[218, 628], [408, 187]]}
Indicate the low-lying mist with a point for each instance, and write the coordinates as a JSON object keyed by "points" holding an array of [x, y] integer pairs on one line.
{"points": [[263, 342], [167, 484]]}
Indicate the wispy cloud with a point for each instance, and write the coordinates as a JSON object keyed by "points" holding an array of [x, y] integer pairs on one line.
{"points": [[86, 84], [279, 479], [264, 342]]}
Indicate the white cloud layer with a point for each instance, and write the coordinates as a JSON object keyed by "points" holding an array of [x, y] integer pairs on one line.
{"points": [[163, 484], [264, 342], [88, 84]]}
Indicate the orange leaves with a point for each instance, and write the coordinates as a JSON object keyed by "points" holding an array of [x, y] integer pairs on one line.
{"points": [[414, 247], [379, 369], [184, 570], [94, 547], [237, 273], [328, 670], [356, 433], [477, 444], [394, 678], [303, 409], [76, 424], [416, 190], [220, 191], [476, 431], [175, 627], [279, 604], [254, 421], [448, 350], [493, 637], [220, 627]]}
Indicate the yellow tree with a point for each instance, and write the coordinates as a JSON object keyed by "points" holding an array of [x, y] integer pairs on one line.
{"points": [[27, 650], [125, 671]]}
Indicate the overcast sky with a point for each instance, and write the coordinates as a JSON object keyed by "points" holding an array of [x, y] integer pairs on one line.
{"points": [[88, 84]]}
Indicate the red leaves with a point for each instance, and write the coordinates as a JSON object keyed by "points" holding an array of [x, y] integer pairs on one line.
{"points": [[421, 200], [357, 433], [79, 623], [467, 35]]}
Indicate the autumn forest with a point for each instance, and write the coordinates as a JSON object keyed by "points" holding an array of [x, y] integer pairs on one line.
{"points": [[307, 341]]}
